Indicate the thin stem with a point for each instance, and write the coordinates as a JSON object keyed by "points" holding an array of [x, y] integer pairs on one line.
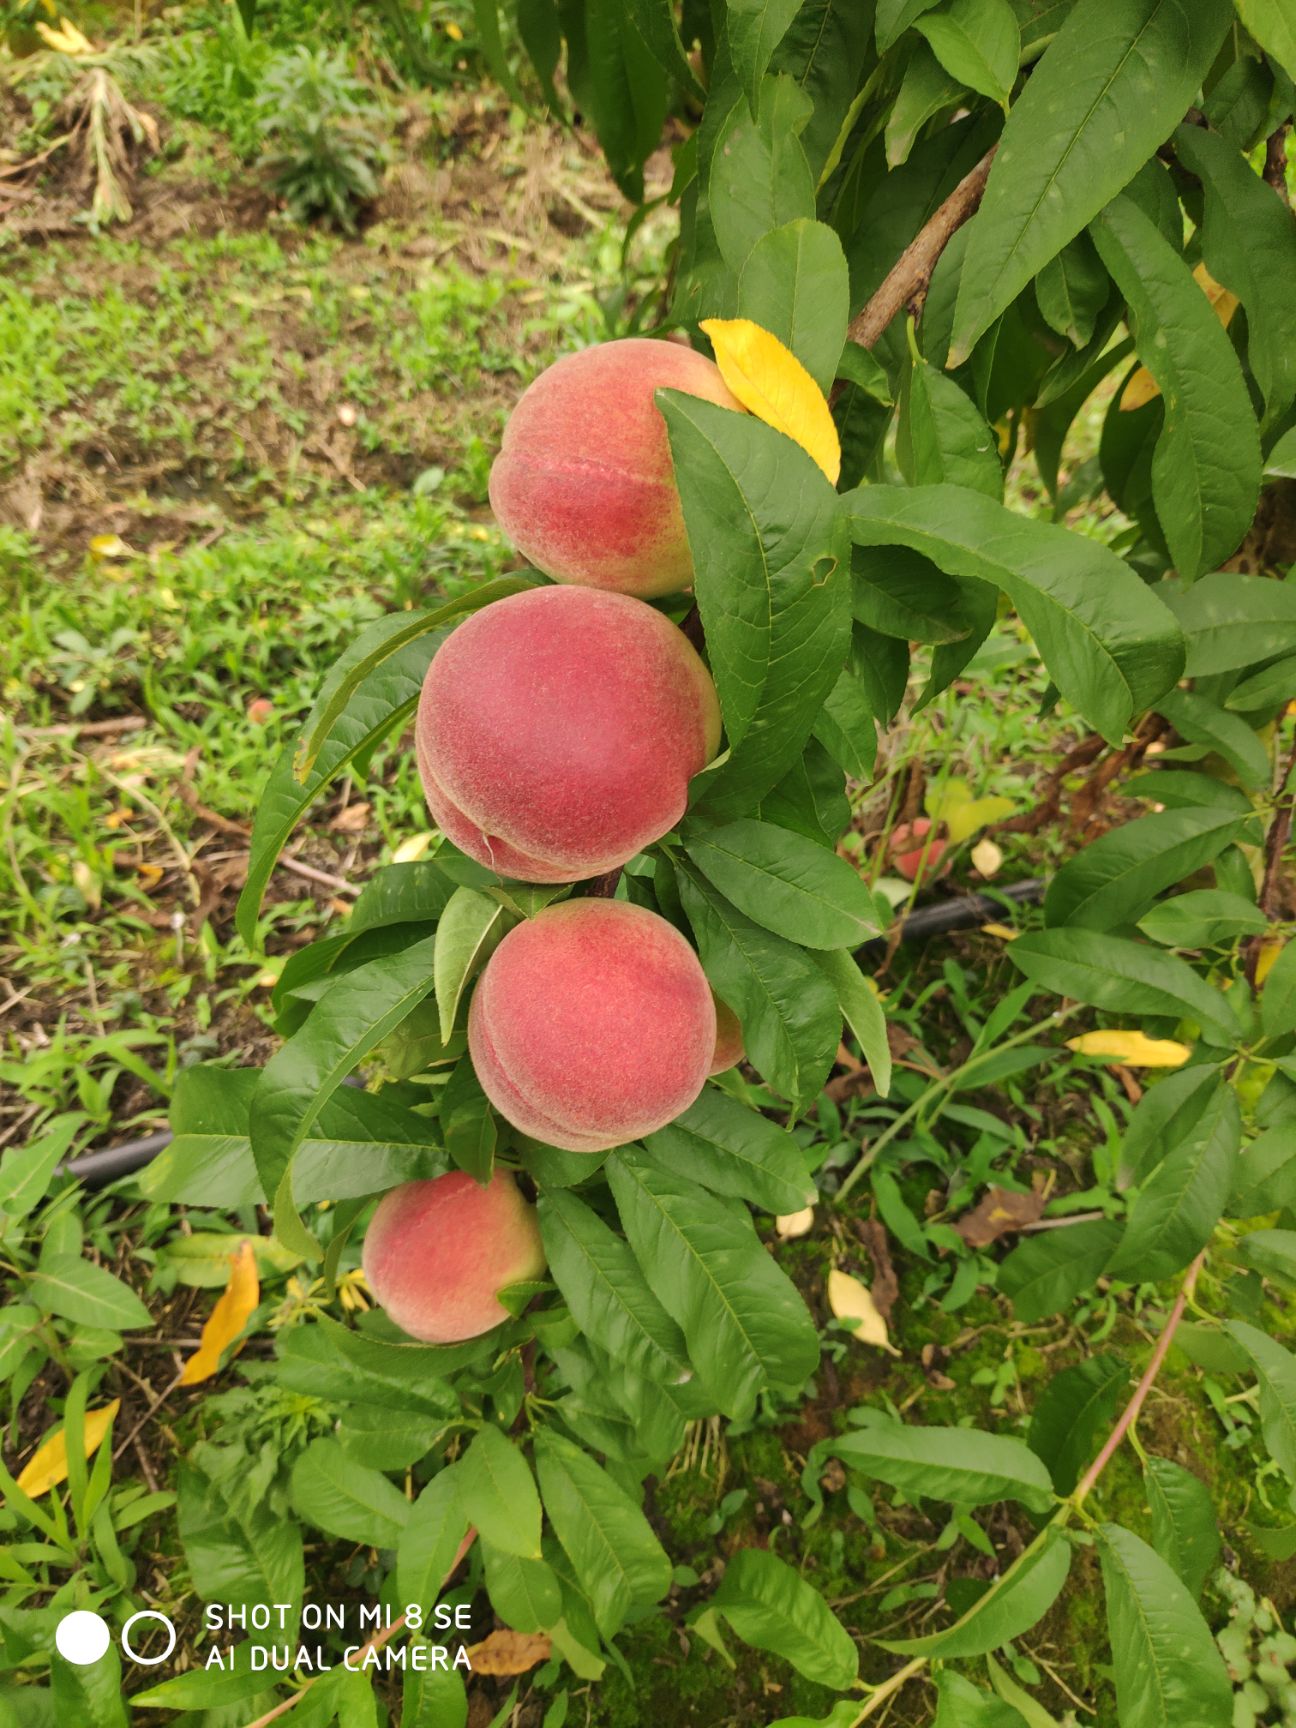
{"points": [[1129, 1415], [870, 1154], [889, 1688]]}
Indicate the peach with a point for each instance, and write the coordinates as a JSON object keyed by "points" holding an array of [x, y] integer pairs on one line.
{"points": [[592, 1024], [583, 485], [729, 1048], [912, 852], [558, 730], [438, 1252]]}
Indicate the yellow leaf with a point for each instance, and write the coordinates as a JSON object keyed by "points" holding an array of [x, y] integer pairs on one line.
{"points": [[790, 1224], [1133, 1048], [986, 857], [1269, 952], [509, 1652], [768, 379], [963, 821], [234, 1308], [47, 1466], [850, 1300], [454, 32], [67, 39], [1004, 932], [1143, 387], [110, 546], [411, 850]]}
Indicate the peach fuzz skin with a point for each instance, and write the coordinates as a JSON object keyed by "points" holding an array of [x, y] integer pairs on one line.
{"points": [[592, 1024], [583, 485], [558, 730], [438, 1252]]}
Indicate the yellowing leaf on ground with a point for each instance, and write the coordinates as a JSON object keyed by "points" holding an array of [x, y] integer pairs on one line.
{"points": [[1269, 952], [508, 1652], [48, 1465], [1143, 387], [851, 1300], [1004, 932], [953, 804], [771, 382], [234, 1308], [1133, 1048], [66, 39], [411, 850], [790, 1224], [986, 857], [110, 546]]}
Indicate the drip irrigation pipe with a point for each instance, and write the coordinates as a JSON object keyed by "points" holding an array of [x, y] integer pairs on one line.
{"points": [[942, 918]]}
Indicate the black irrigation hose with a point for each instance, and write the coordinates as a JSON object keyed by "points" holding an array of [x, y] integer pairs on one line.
{"points": [[962, 912]]}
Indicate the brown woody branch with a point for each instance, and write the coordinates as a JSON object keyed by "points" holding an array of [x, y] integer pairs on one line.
{"points": [[1275, 162], [909, 276]]}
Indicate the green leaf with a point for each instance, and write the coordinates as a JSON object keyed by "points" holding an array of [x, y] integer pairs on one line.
{"points": [[608, 1295], [863, 1013], [942, 437], [1185, 1524], [618, 1561], [788, 1011], [745, 1324], [1206, 469], [206, 1689], [847, 731], [735, 1151], [1166, 1116], [1275, 1371], [759, 176], [1265, 1179], [1201, 721], [1110, 645], [1116, 878], [899, 593], [895, 16], [1071, 290], [524, 1593], [357, 1013], [963, 1466], [1202, 918], [470, 927], [960, 1704], [1017, 1600], [430, 1540], [1167, 1669], [1270, 1252], [925, 90], [977, 42], [754, 29], [1184, 1199], [1111, 86], [795, 285], [235, 1553], [1266, 688], [486, 16], [26, 1171], [86, 1294], [1127, 977], [1248, 244], [1278, 995], [1072, 1410], [771, 1607], [347, 1499], [498, 1493], [625, 91], [1045, 1273], [91, 1694], [772, 585], [468, 1122], [786, 883], [1274, 28], [401, 894]]}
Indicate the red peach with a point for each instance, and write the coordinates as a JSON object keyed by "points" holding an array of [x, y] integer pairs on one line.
{"points": [[583, 485], [558, 730], [438, 1252], [911, 852], [592, 1024], [729, 1048]]}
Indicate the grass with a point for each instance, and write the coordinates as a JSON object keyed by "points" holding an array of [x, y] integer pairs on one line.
{"points": [[234, 443]]}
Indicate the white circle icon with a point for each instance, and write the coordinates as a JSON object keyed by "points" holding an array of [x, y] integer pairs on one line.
{"points": [[147, 1661], [82, 1637]]}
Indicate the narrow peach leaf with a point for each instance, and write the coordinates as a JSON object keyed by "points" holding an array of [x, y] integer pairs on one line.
{"points": [[48, 1465], [769, 381], [234, 1308]]}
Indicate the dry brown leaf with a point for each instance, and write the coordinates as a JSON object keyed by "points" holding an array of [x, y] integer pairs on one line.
{"points": [[851, 1300], [234, 1308], [509, 1652], [353, 820], [1000, 1212]]}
